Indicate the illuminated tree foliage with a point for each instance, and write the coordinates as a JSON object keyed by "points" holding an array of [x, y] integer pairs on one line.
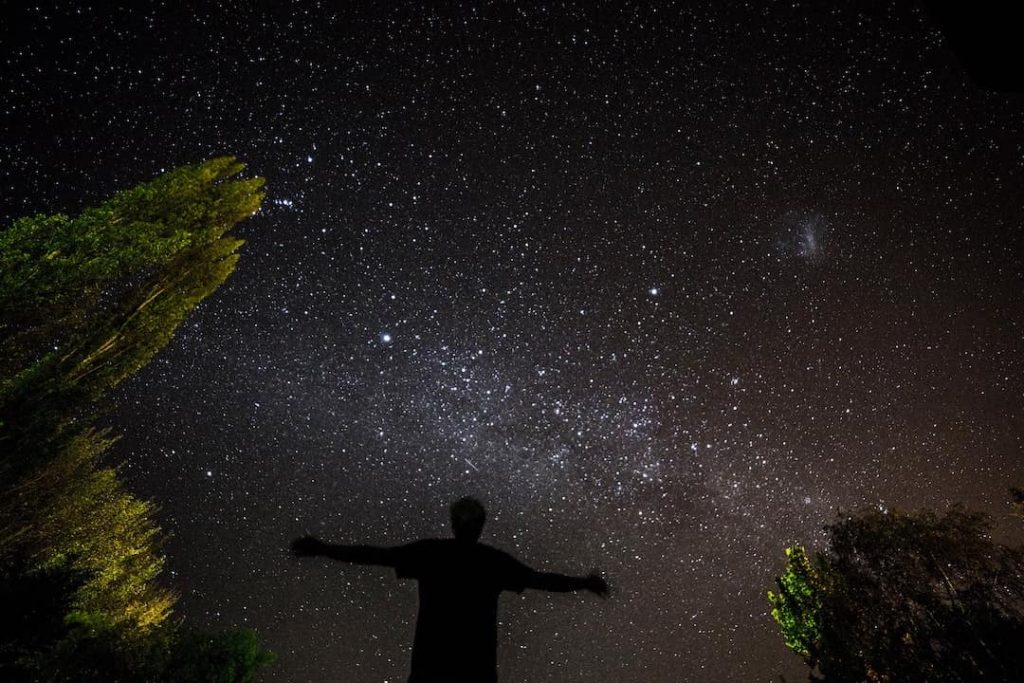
{"points": [[908, 598], [85, 302], [797, 605]]}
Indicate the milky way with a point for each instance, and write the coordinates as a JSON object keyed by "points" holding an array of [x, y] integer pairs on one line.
{"points": [[665, 288]]}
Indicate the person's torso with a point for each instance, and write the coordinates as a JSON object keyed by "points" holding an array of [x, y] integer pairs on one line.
{"points": [[456, 629]]}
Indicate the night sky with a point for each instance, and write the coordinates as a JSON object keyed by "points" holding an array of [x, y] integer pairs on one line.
{"points": [[665, 288]]}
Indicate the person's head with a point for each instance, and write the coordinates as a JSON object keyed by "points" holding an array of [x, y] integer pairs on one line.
{"points": [[468, 517]]}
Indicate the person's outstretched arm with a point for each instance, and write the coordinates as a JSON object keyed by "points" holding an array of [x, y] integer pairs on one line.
{"points": [[309, 546], [560, 583]]}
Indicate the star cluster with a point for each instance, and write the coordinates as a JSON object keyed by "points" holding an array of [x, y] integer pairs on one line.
{"points": [[666, 287]]}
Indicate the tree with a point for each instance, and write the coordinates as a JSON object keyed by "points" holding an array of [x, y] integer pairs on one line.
{"points": [[54, 269], [1017, 500], [227, 657], [85, 302], [905, 597], [797, 605]]}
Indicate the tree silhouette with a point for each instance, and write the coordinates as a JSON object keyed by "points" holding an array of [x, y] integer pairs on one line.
{"points": [[905, 597], [1017, 500]]}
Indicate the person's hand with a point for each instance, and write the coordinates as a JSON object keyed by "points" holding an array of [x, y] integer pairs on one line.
{"points": [[306, 546], [597, 585]]}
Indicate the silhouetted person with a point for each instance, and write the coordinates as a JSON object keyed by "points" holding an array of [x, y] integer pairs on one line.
{"points": [[459, 582]]}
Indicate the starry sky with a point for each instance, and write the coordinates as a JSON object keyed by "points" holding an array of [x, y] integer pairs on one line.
{"points": [[665, 287]]}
